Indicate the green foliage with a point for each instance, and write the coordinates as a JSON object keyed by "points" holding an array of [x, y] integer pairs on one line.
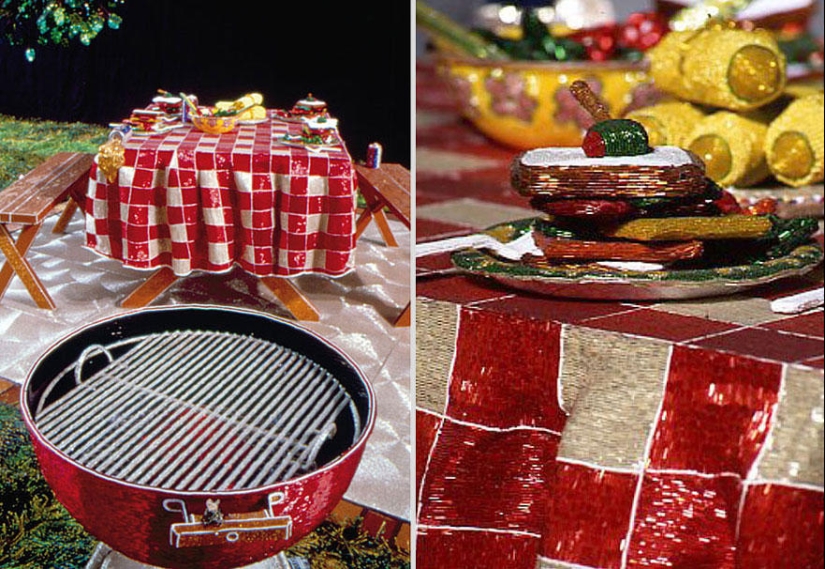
{"points": [[35, 530], [348, 546], [26, 143], [57, 22]]}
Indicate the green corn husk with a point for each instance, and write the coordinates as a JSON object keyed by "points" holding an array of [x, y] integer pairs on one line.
{"points": [[447, 32]]}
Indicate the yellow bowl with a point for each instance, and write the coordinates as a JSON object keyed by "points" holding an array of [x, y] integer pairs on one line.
{"points": [[527, 104], [214, 125]]}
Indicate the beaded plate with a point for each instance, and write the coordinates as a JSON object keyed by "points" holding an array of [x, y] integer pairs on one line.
{"points": [[595, 281]]}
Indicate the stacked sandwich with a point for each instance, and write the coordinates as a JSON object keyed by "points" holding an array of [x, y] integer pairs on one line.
{"points": [[618, 199]]}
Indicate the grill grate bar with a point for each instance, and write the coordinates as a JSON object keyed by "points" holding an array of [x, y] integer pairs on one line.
{"points": [[252, 463], [59, 413], [176, 412], [215, 474], [312, 443], [105, 420], [196, 410], [221, 433], [189, 445], [233, 435], [99, 393]]}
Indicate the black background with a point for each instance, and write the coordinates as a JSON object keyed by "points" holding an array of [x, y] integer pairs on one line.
{"points": [[354, 55]]}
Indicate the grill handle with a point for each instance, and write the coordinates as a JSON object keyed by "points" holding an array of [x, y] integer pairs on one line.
{"points": [[198, 531], [78, 371]]}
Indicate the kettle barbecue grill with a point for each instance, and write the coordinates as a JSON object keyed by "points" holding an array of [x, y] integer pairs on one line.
{"points": [[197, 436]]}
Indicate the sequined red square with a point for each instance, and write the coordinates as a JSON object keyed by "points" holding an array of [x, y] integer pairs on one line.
{"points": [[441, 549], [588, 515], [716, 411], [426, 427], [781, 528], [688, 520], [505, 372], [487, 479]]}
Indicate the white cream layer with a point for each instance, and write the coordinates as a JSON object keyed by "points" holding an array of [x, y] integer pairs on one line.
{"points": [[661, 156]]}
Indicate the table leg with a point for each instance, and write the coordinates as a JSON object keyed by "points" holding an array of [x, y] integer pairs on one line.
{"points": [[295, 302], [16, 262], [403, 319], [162, 279]]}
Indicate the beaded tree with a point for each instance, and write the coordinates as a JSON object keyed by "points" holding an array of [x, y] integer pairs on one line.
{"points": [[55, 22]]}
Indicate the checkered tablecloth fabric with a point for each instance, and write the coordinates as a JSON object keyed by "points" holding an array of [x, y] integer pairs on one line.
{"points": [[580, 447], [195, 201], [563, 434]]}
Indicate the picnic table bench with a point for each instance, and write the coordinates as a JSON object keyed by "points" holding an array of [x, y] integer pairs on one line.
{"points": [[27, 202]]}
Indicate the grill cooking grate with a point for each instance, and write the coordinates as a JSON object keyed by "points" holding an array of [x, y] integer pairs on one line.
{"points": [[196, 411]]}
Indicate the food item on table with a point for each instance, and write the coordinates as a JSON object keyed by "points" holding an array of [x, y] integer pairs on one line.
{"points": [[608, 136], [309, 107], [655, 207], [693, 228], [584, 250], [714, 201], [726, 68], [452, 36], [669, 123], [247, 108], [666, 171], [795, 144], [320, 130], [732, 147], [168, 103]]}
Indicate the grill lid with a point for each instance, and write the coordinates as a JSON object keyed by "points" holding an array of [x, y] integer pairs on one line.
{"points": [[196, 410]]}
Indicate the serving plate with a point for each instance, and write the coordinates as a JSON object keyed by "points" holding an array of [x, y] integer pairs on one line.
{"points": [[600, 282], [297, 142]]}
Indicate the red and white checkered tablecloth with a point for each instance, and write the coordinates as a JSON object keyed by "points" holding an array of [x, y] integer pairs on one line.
{"points": [[196, 201], [563, 434]]}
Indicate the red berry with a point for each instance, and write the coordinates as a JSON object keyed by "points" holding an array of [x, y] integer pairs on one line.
{"points": [[593, 144]]}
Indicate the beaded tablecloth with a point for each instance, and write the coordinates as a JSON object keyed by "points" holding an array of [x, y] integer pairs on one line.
{"points": [[191, 201], [566, 434]]}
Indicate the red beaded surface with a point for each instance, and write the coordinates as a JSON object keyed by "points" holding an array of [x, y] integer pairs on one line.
{"points": [[716, 412], [487, 388], [684, 520], [588, 515], [487, 479]]}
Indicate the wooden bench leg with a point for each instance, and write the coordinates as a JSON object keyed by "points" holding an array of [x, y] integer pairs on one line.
{"points": [[403, 319], [16, 262], [362, 222], [297, 304], [65, 217], [384, 227], [375, 211], [160, 280]]}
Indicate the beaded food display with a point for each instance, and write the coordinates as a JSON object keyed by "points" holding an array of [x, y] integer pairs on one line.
{"points": [[618, 199], [737, 109]]}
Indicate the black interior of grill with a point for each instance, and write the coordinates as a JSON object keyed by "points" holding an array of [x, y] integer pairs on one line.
{"points": [[65, 356]]}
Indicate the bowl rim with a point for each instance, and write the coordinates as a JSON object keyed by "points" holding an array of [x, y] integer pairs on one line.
{"points": [[524, 64]]}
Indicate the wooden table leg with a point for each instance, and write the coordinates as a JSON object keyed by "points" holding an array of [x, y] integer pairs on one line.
{"points": [[162, 279], [297, 304], [403, 319], [16, 262]]}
